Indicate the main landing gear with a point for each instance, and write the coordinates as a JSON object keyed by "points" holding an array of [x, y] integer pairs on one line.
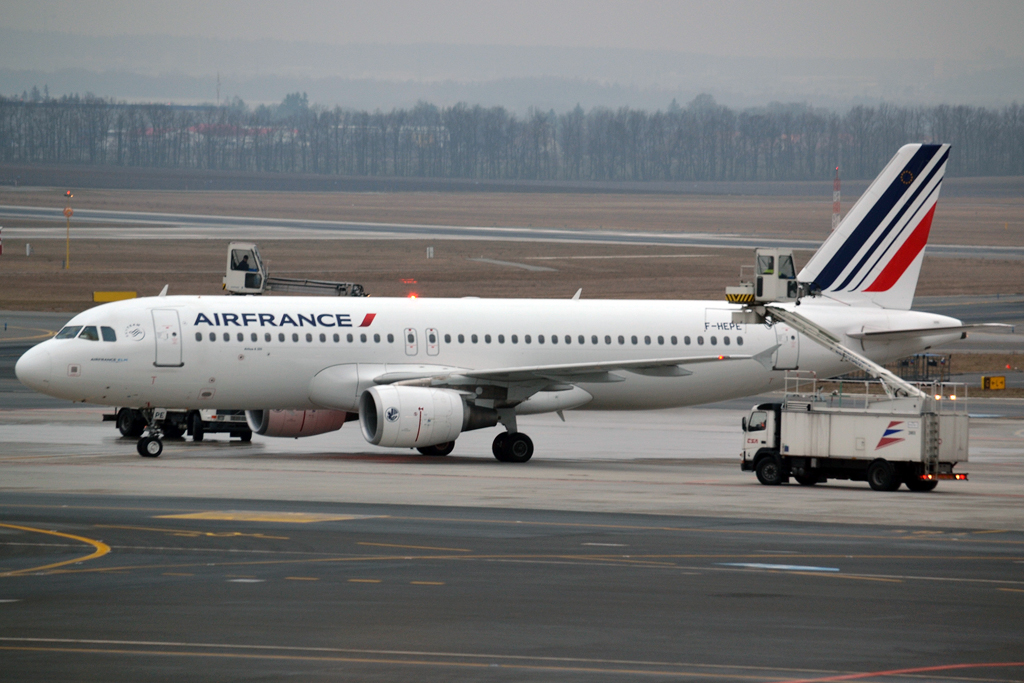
{"points": [[512, 447]]}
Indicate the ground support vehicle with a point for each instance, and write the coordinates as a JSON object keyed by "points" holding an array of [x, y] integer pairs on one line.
{"points": [[815, 434], [176, 423], [905, 433], [245, 273]]}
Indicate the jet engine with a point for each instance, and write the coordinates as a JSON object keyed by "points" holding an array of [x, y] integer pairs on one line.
{"points": [[416, 417], [295, 423]]}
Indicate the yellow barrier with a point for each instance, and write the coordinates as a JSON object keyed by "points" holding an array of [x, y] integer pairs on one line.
{"points": [[998, 382], [105, 297]]}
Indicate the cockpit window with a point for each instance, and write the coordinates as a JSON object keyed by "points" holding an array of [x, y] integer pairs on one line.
{"points": [[89, 333], [108, 334], [69, 332]]}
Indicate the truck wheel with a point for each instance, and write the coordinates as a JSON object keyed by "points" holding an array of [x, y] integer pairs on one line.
{"points": [[882, 476], [246, 436], [806, 479], [769, 471], [172, 430], [921, 485], [129, 423], [197, 427]]}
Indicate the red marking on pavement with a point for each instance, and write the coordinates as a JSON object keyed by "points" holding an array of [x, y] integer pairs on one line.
{"points": [[897, 672]]}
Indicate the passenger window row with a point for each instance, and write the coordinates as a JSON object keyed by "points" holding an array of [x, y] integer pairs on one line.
{"points": [[581, 340], [461, 338], [295, 337]]}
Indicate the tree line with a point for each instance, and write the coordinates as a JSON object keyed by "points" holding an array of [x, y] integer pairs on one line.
{"points": [[700, 141]]}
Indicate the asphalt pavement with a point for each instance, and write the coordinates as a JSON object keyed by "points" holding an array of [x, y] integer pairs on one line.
{"points": [[108, 588]]}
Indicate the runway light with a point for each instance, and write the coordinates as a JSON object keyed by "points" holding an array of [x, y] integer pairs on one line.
{"points": [[952, 397], [412, 296], [938, 397]]}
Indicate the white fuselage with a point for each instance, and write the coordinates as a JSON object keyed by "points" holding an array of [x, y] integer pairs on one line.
{"points": [[262, 353]]}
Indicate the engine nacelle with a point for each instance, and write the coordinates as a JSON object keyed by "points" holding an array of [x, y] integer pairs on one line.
{"points": [[295, 423], [416, 417]]}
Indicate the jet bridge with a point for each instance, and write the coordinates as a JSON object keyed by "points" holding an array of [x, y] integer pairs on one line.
{"points": [[245, 273]]}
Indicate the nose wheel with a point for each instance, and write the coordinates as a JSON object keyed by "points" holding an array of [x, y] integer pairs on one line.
{"points": [[151, 443], [508, 447], [150, 447]]}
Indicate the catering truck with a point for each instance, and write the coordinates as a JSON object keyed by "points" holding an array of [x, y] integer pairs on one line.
{"points": [[819, 434]]}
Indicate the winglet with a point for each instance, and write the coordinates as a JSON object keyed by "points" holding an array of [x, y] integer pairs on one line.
{"points": [[576, 296], [163, 292]]}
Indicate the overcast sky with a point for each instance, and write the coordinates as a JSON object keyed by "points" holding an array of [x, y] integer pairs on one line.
{"points": [[946, 29]]}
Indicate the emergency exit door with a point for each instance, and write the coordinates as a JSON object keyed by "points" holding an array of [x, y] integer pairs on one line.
{"points": [[168, 338], [411, 345]]}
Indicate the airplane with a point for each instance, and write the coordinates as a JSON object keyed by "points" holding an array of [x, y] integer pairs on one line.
{"points": [[417, 372]]}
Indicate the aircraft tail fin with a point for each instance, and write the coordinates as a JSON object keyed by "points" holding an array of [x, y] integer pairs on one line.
{"points": [[874, 256]]}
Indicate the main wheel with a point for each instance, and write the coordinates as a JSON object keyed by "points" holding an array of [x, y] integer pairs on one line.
{"points": [[882, 476], [197, 426], [769, 471], [518, 448], [806, 479], [440, 449], [129, 423], [921, 485], [498, 446], [150, 447]]}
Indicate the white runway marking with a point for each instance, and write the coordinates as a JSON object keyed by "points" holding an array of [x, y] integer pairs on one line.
{"points": [[512, 264], [782, 567]]}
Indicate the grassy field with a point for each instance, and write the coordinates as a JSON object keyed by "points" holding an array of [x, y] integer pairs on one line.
{"points": [[620, 272]]}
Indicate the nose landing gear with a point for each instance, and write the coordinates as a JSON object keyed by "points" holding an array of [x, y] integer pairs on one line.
{"points": [[151, 443]]}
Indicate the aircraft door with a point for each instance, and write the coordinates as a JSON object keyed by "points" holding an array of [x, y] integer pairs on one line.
{"points": [[168, 338], [411, 344], [788, 355], [433, 342]]}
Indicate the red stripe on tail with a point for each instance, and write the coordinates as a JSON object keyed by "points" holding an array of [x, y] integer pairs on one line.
{"points": [[894, 270]]}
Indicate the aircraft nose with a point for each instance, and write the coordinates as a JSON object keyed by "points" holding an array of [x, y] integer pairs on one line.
{"points": [[33, 369]]}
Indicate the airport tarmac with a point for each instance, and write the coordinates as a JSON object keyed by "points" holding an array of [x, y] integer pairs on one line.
{"points": [[127, 588]]}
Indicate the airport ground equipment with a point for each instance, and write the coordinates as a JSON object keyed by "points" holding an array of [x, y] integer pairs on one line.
{"points": [[905, 436], [176, 423], [245, 273], [823, 430]]}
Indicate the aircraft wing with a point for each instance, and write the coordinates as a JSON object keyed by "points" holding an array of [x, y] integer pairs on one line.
{"points": [[570, 373], [885, 335]]}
